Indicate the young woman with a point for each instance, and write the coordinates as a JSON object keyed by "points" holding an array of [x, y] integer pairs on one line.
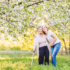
{"points": [[42, 46], [54, 43]]}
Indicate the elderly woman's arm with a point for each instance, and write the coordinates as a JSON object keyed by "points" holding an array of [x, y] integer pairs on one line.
{"points": [[35, 44]]}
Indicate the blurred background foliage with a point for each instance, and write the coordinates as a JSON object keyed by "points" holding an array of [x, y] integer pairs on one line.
{"points": [[19, 20]]}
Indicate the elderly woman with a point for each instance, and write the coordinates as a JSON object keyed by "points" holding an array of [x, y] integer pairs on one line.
{"points": [[42, 46]]}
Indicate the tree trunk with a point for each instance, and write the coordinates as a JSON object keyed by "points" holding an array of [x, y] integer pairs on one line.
{"points": [[61, 51], [65, 46], [69, 45]]}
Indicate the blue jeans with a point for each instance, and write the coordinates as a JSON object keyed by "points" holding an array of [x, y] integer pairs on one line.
{"points": [[54, 50]]}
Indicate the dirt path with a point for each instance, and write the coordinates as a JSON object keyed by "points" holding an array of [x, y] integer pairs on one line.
{"points": [[15, 51]]}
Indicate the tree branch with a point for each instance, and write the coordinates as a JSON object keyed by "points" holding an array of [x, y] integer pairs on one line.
{"points": [[34, 4]]}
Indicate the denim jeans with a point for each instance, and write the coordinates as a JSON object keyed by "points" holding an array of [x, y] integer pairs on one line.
{"points": [[54, 50]]}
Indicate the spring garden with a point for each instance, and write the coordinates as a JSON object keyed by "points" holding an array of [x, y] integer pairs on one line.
{"points": [[19, 20]]}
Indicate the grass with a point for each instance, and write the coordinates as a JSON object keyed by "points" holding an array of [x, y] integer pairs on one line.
{"points": [[22, 61]]}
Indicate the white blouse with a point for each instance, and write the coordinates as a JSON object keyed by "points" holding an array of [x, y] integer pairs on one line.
{"points": [[50, 38]]}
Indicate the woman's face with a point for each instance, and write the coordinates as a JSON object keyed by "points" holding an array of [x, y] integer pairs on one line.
{"points": [[40, 30], [45, 29]]}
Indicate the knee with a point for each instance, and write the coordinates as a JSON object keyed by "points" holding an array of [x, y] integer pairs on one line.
{"points": [[53, 56]]}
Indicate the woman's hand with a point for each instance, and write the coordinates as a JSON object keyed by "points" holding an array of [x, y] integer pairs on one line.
{"points": [[33, 50], [35, 36], [51, 44]]}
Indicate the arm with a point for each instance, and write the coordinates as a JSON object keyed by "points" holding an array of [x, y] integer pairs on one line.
{"points": [[34, 45], [54, 37], [47, 41], [35, 36]]}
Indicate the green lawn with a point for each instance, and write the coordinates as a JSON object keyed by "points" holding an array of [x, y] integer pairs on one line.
{"points": [[23, 62]]}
